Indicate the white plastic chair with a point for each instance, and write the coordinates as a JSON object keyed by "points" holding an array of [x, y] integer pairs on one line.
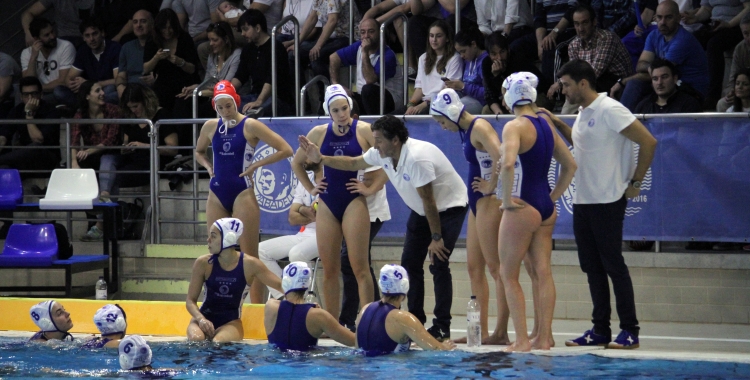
{"points": [[71, 189]]}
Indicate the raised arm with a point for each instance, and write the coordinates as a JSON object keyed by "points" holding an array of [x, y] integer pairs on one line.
{"points": [[298, 162], [564, 128], [338, 162]]}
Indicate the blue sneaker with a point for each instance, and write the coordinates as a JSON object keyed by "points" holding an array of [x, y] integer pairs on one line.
{"points": [[625, 340], [589, 339]]}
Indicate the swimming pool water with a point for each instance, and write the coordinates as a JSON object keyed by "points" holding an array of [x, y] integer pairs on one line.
{"points": [[20, 359]]}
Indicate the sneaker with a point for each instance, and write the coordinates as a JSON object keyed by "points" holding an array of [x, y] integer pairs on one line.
{"points": [[625, 340], [439, 333], [103, 199], [412, 73], [589, 339], [94, 234]]}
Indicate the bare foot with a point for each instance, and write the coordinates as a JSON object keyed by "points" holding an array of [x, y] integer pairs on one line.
{"points": [[518, 347], [495, 340], [463, 340]]}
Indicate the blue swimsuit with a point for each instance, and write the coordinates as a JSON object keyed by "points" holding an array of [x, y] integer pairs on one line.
{"points": [[371, 335], [97, 342], [337, 197], [290, 331], [40, 335], [232, 156], [225, 291], [480, 165], [532, 167]]}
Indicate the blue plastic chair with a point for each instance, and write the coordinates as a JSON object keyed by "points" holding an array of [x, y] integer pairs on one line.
{"points": [[30, 245], [11, 190]]}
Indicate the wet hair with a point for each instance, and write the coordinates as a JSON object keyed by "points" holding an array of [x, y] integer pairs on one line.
{"points": [[138, 93], [253, 18], [83, 92], [468, 35], [391, 127], [737, 101], [30, 81], [583, 7], [164, 17], [37, 24], [496, 38], [659, 63], [91, 22], [579, 70], [450, 50], [224, 31], [299, 293]]}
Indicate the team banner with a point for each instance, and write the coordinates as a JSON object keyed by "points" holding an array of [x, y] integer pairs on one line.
{"points": [[698, 186]]}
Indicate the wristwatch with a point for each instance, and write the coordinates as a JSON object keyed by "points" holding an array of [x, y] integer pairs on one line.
{"points": [[557, 31], [29, 113], [436, 236], [635, 184]]}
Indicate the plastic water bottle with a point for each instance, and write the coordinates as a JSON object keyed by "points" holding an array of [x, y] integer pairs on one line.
{"points": [[101, 289], [310, 297], [473, 329]]}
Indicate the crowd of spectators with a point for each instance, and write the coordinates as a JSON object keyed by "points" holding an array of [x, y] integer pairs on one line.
{"points": [[654, 56]]}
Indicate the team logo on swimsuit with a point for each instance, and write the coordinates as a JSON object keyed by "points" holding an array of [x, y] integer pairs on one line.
{"points": [[592, 122], [634, 205], [274, 184], [486, 164], [227, 146], [406, 177], [338, 152], [223, 289]]}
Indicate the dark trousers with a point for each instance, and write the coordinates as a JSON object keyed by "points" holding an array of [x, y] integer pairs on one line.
{"points": [[527, 45], [419, 31], [418, 238], [368, 100], [350, 304], [716, 44], [598, 232], [30, 159], [320, 65]]}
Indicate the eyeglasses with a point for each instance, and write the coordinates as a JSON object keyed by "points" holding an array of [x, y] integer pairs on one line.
{"points": [[30, 94]]}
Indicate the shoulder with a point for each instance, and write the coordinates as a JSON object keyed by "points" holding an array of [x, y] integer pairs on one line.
{"points": [[210, 126], [203, 260], [317, 132], [363, 126]]}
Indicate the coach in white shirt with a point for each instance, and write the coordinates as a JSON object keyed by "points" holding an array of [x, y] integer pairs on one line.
{"points": [[427, 182], [603, 137]]}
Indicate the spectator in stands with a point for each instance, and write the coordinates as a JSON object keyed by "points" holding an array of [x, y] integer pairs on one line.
{"points": [[48, 58], [721, 35], [300, 9], [115, 16], [222, 65], [553, 16], [668, 96], [255, 67], [68, 15], [130, 69], [740, 60], [194, 16], [601, 48], [302, 246], [673, 43], [31, 134], [741, 92], [365, 56], [383, 10], [439, 63], [96, 136], [498, 65], [9, 71], [97, 61], [334, 16], [616, 16], [470, 46], [421, 20], [171, 57], [512, 17], [140, 102]]}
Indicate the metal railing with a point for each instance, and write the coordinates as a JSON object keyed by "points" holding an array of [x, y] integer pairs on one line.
{"points": [[303, 91], [196, 92], [457, 15], [405, 66], [274, 85]]}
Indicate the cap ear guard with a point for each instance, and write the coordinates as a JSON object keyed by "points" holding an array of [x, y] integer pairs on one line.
{"points": [[110, 319], [394, 280], [41, 315], [332, 92], [448, 104], [134, 352], [231, 229], [296, 276], [225, 89]]}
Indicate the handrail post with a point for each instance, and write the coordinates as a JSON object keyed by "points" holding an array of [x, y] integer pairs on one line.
{"points": [[352, 77], [317, 78], [405, 66], [154, 181], [293, 20], [457, 15]]}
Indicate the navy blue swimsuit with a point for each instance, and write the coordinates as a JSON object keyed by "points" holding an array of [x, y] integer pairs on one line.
{"points": [[290, 331], [337, 197], [480, 165], [97, 342], [225, 292], [232, 155], [371, 335], [532, 168], [40, 335]]}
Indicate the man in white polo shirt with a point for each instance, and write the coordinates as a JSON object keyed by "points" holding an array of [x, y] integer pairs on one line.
{"points": [[603, 137], [427, 182]]}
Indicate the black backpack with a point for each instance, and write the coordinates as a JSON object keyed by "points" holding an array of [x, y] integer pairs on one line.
{"points": [[132, 215], [64, 247]]}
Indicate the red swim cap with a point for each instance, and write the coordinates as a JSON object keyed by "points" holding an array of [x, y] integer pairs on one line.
{"points": [[225, 89]]}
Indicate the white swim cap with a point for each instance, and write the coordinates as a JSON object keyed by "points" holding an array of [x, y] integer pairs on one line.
{"points": [[520, 88], [110, 319], [296, 276], [134, 352], [447, 103], [230, 229], [393, 280], [332, 92], [41, 314]]}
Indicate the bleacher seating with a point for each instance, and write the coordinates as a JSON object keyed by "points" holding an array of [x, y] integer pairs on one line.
{"points": [[11, 189], [71, 189], [29, 245]]}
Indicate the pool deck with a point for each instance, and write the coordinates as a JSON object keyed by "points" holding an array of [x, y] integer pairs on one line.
{"points": [[670, 341]]}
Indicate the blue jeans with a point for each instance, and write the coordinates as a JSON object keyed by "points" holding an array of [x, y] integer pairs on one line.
{"points": [[418, 238]]}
